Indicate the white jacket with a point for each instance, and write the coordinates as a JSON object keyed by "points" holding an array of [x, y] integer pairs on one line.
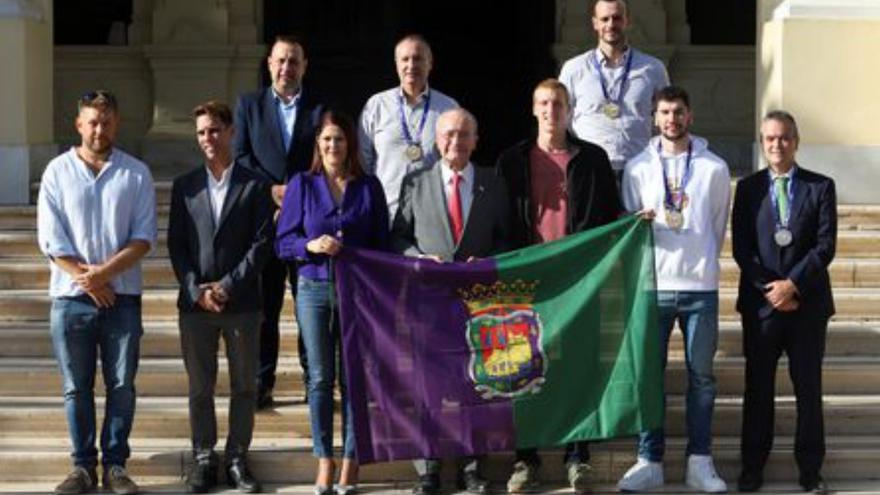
{"points": [[686, 259]]}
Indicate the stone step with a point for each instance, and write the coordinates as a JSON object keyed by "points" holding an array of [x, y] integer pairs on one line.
{"points": [[163, 191], [28, 273], [25, 217], [167, 417], [161, 339], [167, 377], [34, 304], [23, 244], [289, 460], [161, 304]]}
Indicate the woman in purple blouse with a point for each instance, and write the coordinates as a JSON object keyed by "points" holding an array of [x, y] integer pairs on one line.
{"points": [[334, 204]]}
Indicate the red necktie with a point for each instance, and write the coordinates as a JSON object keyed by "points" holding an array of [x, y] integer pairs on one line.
{"points": [[454, 203]]}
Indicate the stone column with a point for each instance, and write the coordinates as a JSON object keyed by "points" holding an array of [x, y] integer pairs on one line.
{"points": [[26, 141], [198, 50], [817, 60]]}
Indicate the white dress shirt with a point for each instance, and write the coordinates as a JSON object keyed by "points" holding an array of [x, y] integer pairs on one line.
{"points": [[217, 190], [465, 188]]}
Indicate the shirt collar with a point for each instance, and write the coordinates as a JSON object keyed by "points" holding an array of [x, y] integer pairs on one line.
{"points": [[224, 177], [422, 96], [107, 163], [280, 101], [603, 59], [789, 174], [467, 173]]}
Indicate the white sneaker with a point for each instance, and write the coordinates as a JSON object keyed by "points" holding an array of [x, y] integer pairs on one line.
{"points": [[643, 475], [701, 475]]}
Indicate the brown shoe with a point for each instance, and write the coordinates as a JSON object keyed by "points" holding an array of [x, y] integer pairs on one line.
{"points": [[117, 481], [80, 480]]}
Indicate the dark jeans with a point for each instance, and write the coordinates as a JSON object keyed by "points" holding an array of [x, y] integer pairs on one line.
{"points": [[802, 337], [274, 277], [80, 333], [199, 340]]}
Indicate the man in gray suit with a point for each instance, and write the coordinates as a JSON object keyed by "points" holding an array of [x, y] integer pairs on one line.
{"points": [[434, 220], [219, 238]]}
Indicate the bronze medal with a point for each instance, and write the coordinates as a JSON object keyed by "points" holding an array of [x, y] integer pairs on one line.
{"points": [[674, 219]]}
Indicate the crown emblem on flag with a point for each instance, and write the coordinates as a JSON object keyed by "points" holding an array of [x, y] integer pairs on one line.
{"points": [[504, 338]]}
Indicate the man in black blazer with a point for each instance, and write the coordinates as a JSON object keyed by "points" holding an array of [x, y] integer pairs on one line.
{"points": [[275, 137], [219, 237], [784, 234]]}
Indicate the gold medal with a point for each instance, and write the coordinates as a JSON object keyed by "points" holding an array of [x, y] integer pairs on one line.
{"points": [[413, 152], [611, 110], [674, 219]]}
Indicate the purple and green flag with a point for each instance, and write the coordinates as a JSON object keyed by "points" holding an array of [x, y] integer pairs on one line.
{"points": [[538, 347]]}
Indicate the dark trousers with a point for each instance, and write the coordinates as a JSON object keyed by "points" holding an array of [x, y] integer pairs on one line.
{"points": [[275, 276], [199, 340], [802, 337], [431, 467], [575, 453]]}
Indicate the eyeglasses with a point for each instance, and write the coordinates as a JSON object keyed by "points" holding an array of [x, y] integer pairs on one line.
{"points": [[97, 98]]}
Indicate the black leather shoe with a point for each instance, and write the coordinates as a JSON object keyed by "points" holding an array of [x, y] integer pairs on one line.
{"points": [[749, 481], [239, 477], [80, 480], [473, 483], [264, 400], [427, 485], [814, 484], [201, 478]]}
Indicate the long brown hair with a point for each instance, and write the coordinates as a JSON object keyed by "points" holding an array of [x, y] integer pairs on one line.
{"points": [[352, 166]]}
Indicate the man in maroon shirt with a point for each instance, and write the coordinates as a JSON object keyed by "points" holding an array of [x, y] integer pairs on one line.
{"points": [[557, 185]]}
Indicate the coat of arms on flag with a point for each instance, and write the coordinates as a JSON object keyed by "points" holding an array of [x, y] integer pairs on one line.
{"points": [[504, 338]]}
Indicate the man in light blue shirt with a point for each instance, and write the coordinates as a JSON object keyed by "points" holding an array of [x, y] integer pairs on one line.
{"points": [[612, 86], [96, 218], [397, 125]]}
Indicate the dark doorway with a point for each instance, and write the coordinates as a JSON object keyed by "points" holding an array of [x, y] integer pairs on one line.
{"points": [[488, 54], [722, 22], [91, 22]]}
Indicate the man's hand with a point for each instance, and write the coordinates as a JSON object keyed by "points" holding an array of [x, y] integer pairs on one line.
{"points": [[92, 277], [432, 257], [278, 194], [646, 214], [780, 293], [208, 299], [103, 296], [792, 305]]}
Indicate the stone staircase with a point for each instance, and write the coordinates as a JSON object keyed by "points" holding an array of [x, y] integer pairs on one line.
{"points": [[33, 435]]}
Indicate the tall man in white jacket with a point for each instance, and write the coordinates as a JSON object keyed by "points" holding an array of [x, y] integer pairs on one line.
{"points": [[687, 188]]}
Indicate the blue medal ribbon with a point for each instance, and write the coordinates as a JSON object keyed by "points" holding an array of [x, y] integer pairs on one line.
{"points": [[594, 60], [669, 201], [404, 125]]}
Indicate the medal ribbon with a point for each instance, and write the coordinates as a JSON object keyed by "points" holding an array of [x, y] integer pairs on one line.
{"points": [[782, 218], [405, 125], [594, 60], [685, 178]]}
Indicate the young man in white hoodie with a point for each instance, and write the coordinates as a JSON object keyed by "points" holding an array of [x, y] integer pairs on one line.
{"points": [[686, 188]]}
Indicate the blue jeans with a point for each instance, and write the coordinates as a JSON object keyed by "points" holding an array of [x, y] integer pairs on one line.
{"points": [[80, 333], [697, 315], [318, 320]]}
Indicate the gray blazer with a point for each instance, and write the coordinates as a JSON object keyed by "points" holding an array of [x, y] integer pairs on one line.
{"points": [[422, 224]]}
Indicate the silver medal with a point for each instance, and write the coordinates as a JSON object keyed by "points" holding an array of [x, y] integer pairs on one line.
{"points": [[782, 237], [414, 152]]}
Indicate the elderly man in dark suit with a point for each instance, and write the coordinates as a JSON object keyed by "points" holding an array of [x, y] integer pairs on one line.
{"points": [[784, 234], [452, 211], [275, 136], [219, 237]]}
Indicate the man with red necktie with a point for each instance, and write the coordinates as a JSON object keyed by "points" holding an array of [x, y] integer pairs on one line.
{"points": [[452, 211]]}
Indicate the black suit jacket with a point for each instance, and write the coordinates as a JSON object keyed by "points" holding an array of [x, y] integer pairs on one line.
{"points": [[258, 141], [593, 197], [805, 261], [232, 252]]}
